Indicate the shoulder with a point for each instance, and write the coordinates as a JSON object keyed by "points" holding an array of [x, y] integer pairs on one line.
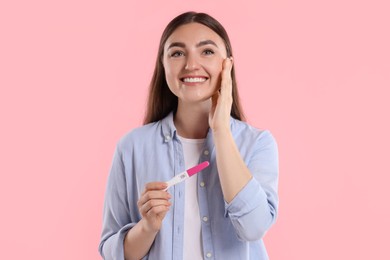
{"points": [[140, 135], [250, 139], [247, 131], [255, 144]]}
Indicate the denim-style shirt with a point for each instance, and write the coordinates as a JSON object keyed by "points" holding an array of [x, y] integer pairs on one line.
{"points": [[232, 230]]}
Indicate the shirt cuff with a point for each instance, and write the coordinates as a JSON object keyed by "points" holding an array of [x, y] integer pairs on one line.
{"points": [[113, 247], [249, 198]]}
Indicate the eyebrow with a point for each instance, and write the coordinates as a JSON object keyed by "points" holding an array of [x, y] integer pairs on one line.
{"points": [[200, 44], [206, 42]]}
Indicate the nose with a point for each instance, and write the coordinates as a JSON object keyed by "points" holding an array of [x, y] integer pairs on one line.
{"points": [[192, 63]]}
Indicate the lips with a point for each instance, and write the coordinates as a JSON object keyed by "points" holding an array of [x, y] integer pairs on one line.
{"points": [[194, 79]]}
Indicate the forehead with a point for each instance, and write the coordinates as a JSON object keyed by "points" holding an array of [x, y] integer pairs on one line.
{"points": [[194, 33]]}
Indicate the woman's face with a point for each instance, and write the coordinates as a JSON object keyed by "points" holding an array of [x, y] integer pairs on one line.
{"points": [[193, 56]]}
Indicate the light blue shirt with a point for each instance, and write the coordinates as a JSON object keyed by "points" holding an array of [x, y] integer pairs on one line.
{"points": [[229, 230]]}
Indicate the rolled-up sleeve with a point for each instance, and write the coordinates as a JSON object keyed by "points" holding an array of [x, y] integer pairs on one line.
{"points": [[116, 217], [254, 209]]}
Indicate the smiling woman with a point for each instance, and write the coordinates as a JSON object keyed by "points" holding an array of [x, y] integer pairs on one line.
{"points": [[193, 115], [193, 56], [161, 101]]}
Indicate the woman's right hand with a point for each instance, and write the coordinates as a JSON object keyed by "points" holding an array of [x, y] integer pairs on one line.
{"points": [[153, 205]]}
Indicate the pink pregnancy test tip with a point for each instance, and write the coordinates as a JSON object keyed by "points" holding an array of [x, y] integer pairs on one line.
{"points": [[197, 168]]}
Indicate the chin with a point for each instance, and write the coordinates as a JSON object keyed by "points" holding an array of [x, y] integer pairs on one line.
{"points": [[196, 99]]}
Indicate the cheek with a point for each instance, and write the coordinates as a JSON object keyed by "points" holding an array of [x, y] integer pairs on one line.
{"points": [[213, 66], [171, 68], [169, 72], [216, 69]]}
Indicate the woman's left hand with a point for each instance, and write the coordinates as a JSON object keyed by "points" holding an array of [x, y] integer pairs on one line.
{"points": [[219, 116]]}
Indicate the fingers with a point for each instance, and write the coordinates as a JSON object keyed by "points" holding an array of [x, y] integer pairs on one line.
{"points": [[228, 63], [226, 81], [154, 207], [153, 195], [154, 199], [155, 186]]}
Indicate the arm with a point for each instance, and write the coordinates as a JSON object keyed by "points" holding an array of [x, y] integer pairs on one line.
{"points": [[254, 209], [153, 205], [250, 191], [122, 237], [233, 173], [229, 161], [138, 241]]}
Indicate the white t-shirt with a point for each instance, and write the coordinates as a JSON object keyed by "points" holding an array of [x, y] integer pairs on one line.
{"points": [[192, 244]]}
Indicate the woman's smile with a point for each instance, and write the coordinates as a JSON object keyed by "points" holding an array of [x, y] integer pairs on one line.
{"points": [[193, 80]]}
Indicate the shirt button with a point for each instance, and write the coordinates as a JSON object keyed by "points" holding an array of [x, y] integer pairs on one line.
{"points": [[202, 184], [167, 138], [208, 255], [206, 152], [205, 219]]}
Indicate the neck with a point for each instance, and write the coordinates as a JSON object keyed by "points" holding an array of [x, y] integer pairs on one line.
{"points": [[192, 120]]}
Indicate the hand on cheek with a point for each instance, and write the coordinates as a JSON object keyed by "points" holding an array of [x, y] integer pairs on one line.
{"points": [[219, 117]]}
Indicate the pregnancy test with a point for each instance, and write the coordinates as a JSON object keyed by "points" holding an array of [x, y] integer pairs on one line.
{"points": [[186, 174]]}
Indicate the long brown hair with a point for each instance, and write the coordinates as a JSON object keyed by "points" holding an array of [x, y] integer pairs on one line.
{"points": [[161, 100]]}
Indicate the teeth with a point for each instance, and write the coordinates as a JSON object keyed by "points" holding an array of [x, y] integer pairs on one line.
{"points": [[194, 79]]}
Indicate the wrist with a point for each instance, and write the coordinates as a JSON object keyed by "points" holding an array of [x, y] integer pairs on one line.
{"points": [[222, 132], [146, 228]]}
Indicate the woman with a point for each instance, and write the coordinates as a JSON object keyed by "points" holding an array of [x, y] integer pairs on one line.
{"points": [[193, 115]]}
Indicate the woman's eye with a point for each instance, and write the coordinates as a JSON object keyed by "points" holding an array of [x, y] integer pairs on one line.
{"points": [[208, 52], [177, 54]]}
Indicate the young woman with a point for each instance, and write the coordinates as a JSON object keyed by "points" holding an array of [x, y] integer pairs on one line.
{"points": [[193, 115]]}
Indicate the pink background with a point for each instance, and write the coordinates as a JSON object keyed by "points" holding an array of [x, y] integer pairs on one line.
{"points": [[74, 77]]}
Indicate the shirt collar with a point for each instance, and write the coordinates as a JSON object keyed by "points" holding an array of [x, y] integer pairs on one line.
{"points": [[168, 127]]}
